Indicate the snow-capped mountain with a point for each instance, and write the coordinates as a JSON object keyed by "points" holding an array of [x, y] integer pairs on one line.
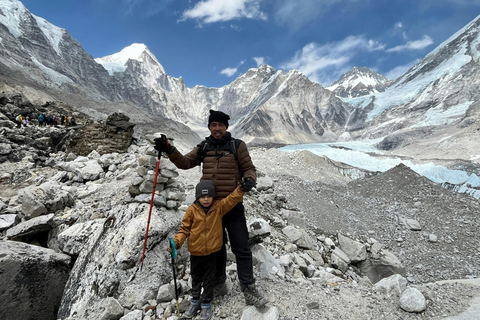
{"points": [[359, 81], [437, 100], [47, 56], [439, 90], [265, 105], [35, 50]]}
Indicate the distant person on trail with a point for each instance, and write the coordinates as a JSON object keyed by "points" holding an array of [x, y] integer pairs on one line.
{"points": [[225, 162], [73, 122], [67, 121], [40, 120], [202, 225], [19, 120]]}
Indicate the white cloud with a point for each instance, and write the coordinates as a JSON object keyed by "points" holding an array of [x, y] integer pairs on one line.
{"points": [[211, 11], [413, 45], [323, 63], [231, 71], [400, 70], [260, 60]]}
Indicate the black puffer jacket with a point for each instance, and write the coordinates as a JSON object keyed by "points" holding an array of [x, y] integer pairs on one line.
{"points": [[219, 164]]}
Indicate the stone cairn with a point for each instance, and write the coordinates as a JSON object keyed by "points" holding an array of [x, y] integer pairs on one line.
{"points": [[168, 193]]}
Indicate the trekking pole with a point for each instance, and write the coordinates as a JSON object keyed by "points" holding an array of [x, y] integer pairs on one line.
{"points": [[174, 255], [151, 206]]}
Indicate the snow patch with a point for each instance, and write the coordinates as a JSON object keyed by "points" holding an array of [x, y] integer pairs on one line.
{"points": [[439, 116], [56, 77], [403, 93], [10, 17], [53, 33]]}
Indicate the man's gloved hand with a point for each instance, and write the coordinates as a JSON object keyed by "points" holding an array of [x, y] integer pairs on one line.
{"points": [[247, 184], [163, 145]]}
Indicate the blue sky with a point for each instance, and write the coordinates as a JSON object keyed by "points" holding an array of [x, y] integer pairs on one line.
{"points": [[212, 42]]}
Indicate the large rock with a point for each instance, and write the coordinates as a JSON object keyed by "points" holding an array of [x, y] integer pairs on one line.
{"points": [[355, 250], [385, 265], [412, 300], [47, 197], [299, 237], [7, 220], [393, 285], [32, 281], [269, 267], [110, 265], [32, 226], [79, 236], [85, 168]]}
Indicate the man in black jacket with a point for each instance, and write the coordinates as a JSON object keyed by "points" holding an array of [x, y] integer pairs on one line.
{"points": [[226, 161]]}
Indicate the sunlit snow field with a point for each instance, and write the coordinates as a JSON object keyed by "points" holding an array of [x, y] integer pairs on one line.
{"points": [[356, 153]]}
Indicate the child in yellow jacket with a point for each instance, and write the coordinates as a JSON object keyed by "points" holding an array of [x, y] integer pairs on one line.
{"points": [[202, 224]]}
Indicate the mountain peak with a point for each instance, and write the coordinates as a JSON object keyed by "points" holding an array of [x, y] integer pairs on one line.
{"points": [[358, 82], [117, 62]]}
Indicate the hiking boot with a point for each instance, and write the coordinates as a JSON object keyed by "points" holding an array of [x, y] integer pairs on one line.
{"points": [[207, 311], [253, 298], [220, 289], [192, 309]]}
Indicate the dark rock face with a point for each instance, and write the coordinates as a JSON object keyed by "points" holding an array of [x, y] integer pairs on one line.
{"points": [[32, 281], [115, 135]]}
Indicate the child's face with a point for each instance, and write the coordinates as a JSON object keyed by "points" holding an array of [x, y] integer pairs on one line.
{"points": [[205, 201]]}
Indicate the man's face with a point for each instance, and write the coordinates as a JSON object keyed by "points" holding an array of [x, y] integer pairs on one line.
{"points": [[217, 129]]}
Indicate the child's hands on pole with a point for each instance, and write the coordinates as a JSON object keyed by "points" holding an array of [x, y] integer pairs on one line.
{"points": [[172, 249]]}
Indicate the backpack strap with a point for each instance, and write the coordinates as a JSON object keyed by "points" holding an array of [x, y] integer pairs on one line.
{"points": [[234, 144], [202, 151]]}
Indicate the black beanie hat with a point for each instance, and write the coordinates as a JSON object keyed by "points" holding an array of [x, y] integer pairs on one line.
{"points": [[218, 116], [205, 188]]}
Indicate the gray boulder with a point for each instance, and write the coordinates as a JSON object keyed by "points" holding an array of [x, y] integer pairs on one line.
{"points": [[111, 264], [355, 250], [47, 197], [269, 267], [383, 266], [412, 300], [393, 285], [32, 281], [32, 226], [7, 220]]}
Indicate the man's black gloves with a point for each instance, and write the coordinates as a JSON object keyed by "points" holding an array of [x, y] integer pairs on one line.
{"points": [[162, 145], [247, 184]]}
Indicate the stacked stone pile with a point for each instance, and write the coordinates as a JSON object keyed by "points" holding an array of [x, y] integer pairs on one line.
{"points": [[113, 135], [168, 193]]}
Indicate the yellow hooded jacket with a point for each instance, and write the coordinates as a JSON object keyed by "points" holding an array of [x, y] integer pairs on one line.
{"points": [[204, 231]]}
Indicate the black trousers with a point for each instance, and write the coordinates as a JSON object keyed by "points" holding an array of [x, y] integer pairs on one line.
{"points": [[203, 275], [235, 224]]}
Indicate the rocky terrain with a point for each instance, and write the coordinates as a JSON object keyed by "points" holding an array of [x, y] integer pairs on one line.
{"points": [[330, 241]]}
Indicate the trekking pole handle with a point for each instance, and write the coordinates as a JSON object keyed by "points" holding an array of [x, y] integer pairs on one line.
{"points": [[174, 251]]}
